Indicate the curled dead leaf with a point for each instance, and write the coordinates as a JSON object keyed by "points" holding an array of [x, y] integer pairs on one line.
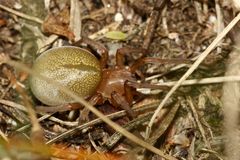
{"points": [[58, 24]]}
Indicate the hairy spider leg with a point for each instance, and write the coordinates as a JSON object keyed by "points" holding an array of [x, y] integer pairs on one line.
{"points": [[126, 51]]}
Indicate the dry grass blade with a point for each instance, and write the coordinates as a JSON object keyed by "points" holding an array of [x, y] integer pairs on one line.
{"points": [[191, 69], [3, 136], [203, 81], [109, 144], [12, 104], [196, 117], [115, 126], [75, 19], [22, 15]]}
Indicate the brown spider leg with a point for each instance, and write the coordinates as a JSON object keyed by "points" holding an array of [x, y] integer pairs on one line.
{"points": [[120, 59], [146, 60], [128, 92], [119, 100], [131, 93], [84, 116], [98, 47], [60, 108]]}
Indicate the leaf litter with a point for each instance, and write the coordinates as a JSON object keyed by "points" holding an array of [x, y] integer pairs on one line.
{"points": [[190, 126]]}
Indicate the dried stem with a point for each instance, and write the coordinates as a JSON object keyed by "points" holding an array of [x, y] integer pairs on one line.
{"points": [[22, 15]]}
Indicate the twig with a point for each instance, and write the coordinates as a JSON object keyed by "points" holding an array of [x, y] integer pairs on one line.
{"points": [[22, 15], [93, 143], [195, 115], [66, 123], [212, 152], [191, 69], [164, 21], [13, 104], [158, 7], [192, 149]]}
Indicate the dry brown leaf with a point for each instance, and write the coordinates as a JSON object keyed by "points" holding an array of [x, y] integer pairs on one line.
{"points": [[58, 24]]}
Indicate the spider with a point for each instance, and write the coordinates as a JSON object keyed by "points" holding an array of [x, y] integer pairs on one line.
{"points": [[91, 77]]}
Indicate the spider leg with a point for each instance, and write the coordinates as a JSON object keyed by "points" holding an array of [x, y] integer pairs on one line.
{"points": [[128, 93], [84, 116], [125, 51], [98, 47], [146, 60], [120, 101], [60, 108]]}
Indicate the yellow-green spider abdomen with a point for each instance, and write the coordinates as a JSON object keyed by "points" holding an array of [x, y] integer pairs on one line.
{"points": [[73, 67]]}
